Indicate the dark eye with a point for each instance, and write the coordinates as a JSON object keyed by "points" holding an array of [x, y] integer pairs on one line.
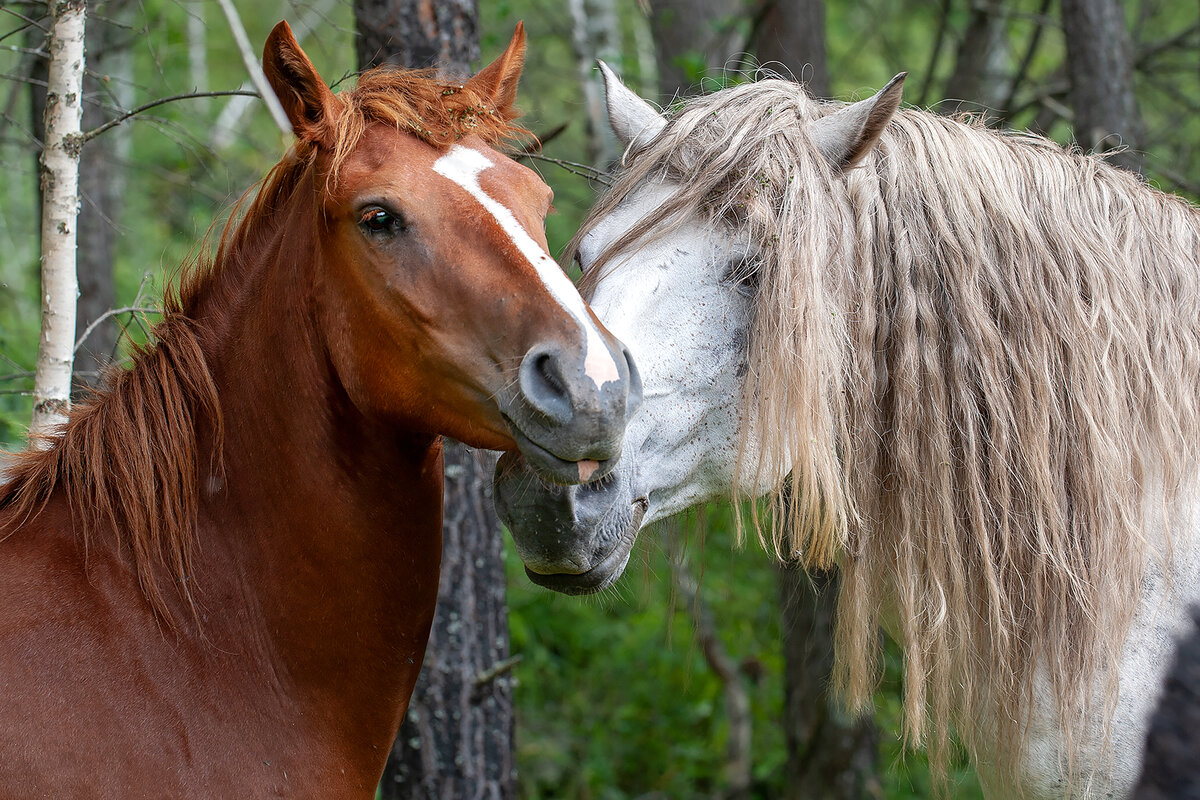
{"points": [[742, 275], [377, 221]]}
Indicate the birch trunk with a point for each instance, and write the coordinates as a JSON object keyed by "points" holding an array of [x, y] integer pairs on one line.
{"points": [[596, 34], [60, 210]]}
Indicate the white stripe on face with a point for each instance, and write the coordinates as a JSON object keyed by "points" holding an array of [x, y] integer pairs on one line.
{"points": [[463, 165]]}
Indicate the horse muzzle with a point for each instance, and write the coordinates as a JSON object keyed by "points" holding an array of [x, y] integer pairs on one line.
{"points": [[568, 424], [572, 539]]}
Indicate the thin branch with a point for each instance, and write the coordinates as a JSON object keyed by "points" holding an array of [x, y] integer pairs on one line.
{"points": [[115, 121], [112, 313], [254, 68], [16, 376], [1179, 179], [574, 167]]}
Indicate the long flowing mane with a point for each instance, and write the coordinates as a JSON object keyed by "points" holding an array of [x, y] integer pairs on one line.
{"points": [[128, 461], [979, 355]]}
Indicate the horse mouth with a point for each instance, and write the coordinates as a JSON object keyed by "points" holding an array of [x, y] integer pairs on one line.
{"points": [[554, 468], [606, 572]]}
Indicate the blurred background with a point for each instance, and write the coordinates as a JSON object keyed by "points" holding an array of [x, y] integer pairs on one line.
{"points": [[702, 673]]}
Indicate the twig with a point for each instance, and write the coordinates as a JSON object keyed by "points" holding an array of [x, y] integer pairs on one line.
{"points": [[112, 123], [16, 376], [574, 167], [254, 68], [496, 670], [112, 313]]}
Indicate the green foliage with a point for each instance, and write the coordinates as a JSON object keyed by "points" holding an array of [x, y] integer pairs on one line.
{"points": [[614, 698]]}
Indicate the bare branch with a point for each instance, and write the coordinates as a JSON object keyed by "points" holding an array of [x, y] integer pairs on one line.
{"points": [[112, 123], [112, 313], [254, 68], [574, 167]]}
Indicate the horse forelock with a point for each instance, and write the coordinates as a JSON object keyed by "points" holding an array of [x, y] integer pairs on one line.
{"points": [[128, 459], [978, 352]]}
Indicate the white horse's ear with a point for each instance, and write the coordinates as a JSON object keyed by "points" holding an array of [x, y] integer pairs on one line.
{"points": [[848, 134], [633, 120]]}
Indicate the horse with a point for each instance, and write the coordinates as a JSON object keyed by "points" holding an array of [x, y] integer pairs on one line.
{"points": [[959, 364], [217, 579]]}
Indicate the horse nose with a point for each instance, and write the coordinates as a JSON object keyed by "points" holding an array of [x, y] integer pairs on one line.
{"points": [[545, 385], [589, 412]]}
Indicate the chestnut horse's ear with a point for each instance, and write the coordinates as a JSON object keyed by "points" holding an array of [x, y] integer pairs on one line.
{"points": [[308, 102], [848, 134], [497, 82]]}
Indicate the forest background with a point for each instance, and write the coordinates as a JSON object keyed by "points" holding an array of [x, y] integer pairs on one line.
{"points": [[673, 684]]}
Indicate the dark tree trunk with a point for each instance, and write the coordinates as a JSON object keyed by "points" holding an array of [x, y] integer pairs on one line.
{"points": [[418, 34], [830, 755], [457, 739], [977, 83], [101, 186], [1100, 67], [789, 36], [693, 37]]}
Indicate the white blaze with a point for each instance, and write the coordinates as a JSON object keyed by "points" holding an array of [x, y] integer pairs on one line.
{"points": [[463, 165]]}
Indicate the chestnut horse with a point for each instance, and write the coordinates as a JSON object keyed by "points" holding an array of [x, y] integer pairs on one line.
{"points": [[218, 579]]}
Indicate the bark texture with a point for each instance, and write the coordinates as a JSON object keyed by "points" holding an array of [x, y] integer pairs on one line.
{"points": [[693, 37], [60, 210], [980, 74], [830, 755], [1100, 68], [102, 182], [418, 34], [789, 37], [457, 739]]}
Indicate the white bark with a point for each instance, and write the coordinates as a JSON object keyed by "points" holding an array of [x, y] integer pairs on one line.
{"points": [[60, 210], [197, 32], [254, 67], [596, 34]]}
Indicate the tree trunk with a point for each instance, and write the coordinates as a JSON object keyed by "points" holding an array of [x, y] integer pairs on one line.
{"points": [[978, 81], [1100, 67], [101, 183], [457, 739], [829, 754], [693, 37], [60, 209], [789, 36], [595, 33], [418, 34]]}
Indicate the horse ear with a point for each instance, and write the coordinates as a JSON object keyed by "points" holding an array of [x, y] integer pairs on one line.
{"points": [[308, 102], [497, 82], [633, 120], [848, 134]]}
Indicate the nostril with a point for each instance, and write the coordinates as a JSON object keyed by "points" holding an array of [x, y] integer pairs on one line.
{"points": [[543, 384], [633, 398]]}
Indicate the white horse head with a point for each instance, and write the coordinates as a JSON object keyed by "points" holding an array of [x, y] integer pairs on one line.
{"points": [[972, 356]]}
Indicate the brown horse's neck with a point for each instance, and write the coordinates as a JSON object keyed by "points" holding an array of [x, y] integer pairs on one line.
{"points": [[334, 519]]}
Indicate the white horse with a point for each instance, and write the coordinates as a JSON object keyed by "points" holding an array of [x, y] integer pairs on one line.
{"points": [[973, 357]]}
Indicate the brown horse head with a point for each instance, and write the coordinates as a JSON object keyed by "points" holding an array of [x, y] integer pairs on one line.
{"points": [[440, 306]]}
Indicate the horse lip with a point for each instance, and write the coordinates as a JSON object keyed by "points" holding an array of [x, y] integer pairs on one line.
{"points": [[603, 574], [549, 466]]}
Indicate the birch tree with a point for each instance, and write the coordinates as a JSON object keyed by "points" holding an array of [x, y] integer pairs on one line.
{"points": [[60, 211]]}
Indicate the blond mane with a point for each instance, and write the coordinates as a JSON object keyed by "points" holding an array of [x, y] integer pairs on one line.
{"points": [[978, 353]]}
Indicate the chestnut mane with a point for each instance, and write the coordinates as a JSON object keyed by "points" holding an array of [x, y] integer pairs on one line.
{"points": [[128, 461]]}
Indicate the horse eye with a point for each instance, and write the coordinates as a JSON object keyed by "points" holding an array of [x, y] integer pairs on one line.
{"points": [[379, 221], [742, 276]]}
